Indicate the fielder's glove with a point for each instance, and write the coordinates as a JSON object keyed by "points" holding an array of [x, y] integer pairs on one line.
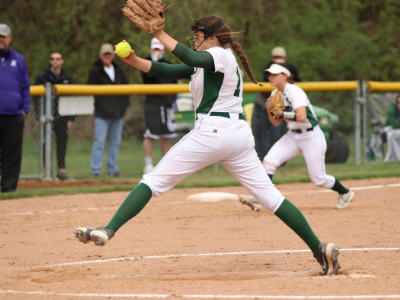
{"points": [[148, 15], [275, 107]]}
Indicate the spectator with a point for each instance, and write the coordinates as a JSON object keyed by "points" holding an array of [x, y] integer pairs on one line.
{"points": [[14, 105], [265, 134], [158, 110], [56, 74], [109, 112], [393, 115], [375, 142]]}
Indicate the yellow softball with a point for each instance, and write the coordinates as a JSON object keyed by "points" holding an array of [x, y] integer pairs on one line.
{"points": [[123, 49]]}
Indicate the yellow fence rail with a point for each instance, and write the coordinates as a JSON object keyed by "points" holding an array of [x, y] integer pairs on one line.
{"points": [[142, 89], [375, 86], [37, 90]]}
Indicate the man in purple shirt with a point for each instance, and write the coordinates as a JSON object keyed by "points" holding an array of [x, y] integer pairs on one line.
{"points": [[14, 105]]}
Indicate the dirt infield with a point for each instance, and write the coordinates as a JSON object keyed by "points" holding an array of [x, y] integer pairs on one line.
{"points": [[190, 249]]}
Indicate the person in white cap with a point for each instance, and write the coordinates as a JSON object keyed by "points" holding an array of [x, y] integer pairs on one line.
{"points": [[159, 111], [14, 105], [303, 136], [266, 134]]}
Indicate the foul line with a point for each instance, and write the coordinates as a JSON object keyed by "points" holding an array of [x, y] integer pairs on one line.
{"points": [[202, 254], [360, 188], [200, 296]]}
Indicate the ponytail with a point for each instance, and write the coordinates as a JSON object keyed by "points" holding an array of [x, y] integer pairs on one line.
{"points": [[225, 36], [243, 59]]}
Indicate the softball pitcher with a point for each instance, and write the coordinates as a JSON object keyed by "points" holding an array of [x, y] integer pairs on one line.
{"points": [[220, 134], [303, 136]]}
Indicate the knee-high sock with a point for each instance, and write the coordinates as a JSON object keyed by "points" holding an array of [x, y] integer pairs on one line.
{"points": [[338, 187], [132, 205], [293, 218]]}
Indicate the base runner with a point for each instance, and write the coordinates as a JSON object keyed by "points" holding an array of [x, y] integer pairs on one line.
{"points": [[220, 134]]}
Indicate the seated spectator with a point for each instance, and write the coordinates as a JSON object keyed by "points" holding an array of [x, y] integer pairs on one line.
{"points": [[374, 146]]}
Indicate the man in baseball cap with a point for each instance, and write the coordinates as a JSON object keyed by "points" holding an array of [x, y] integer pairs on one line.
{"points": [[156, 44], [5, 37], [278, 54], [5, 30], [106, 48], [109, 112], [14, 105]]}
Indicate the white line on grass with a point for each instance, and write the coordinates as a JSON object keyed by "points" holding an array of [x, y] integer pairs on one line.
{"points": [[200, 296], [202, 254]]}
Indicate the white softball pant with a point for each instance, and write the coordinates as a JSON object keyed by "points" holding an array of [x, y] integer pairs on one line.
{"points": [[227, 140], [313, 146]]}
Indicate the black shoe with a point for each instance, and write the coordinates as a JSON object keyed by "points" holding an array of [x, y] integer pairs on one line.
{"points": [[95, 176], [8, 191], [100, 236], [116, 174], [62, 174], [327, 258]]}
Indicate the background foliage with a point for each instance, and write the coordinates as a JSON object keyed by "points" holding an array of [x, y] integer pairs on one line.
{"points": [[325, 39]]}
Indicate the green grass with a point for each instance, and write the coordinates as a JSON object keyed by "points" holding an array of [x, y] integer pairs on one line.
{"points": [[131, 165], [294, 171]]}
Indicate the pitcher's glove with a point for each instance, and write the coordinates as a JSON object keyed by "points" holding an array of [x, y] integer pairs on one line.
{"points": [[148, 15], [275, 107]]}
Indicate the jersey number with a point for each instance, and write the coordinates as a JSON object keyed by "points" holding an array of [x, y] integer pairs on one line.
{"points": [[237, 91]]}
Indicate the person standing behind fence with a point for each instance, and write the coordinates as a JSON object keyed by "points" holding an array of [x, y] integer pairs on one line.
{"points": [[56, 74], [14, 105], [266, 134], [109, 112], [158, 110]]}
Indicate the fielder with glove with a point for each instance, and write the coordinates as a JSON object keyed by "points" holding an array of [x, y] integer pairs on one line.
{"points": [[290, 103], [275, 105], [220, 132]]}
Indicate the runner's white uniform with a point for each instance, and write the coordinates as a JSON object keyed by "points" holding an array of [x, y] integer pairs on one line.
{"points": [[217, 138], [310, 141]]}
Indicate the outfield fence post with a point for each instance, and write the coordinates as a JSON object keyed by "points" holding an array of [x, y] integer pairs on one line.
{"points": [[365, 117], [357, 125], [48, 132], [42, 121]]}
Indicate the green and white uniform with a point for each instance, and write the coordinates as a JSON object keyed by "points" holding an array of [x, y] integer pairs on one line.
{"points": [[302, 137], [220, 132]]}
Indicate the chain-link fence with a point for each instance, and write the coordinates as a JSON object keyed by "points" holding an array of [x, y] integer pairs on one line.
{"points": [[30, 164], [75, 144]]}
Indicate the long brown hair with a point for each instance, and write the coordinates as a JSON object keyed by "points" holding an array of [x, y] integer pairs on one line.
{"points": [[225, 36]]}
